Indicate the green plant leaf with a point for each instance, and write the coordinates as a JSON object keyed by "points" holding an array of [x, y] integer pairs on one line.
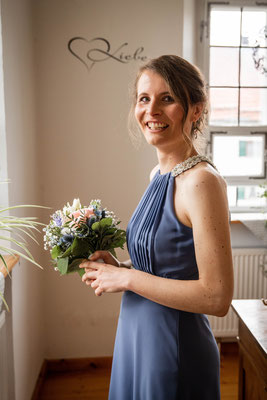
{"points": [[112, 251], [95, 226], [4, 301], [62, 265], [16, 252], [81, 271], [2, 258], [67, 253], [74, 265], [56, 252], [19, 244], [105, 222], [23, 206]]}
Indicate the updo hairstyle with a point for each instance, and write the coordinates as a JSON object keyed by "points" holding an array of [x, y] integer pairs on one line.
{"points": [[186, 84]]}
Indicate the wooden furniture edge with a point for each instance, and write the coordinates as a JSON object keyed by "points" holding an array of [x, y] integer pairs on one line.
{"points": [[11, 261]]}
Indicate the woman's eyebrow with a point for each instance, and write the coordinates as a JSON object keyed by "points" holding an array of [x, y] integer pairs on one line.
{"points": [[146, 94]]}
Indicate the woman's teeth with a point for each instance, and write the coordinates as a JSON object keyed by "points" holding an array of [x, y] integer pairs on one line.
{"points": [[156, 125]]}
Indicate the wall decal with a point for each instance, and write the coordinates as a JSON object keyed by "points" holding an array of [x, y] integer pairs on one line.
{"points": [[90, 52]]}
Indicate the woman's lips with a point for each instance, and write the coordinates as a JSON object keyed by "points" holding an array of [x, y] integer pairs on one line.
{"points": [[156, 126]]}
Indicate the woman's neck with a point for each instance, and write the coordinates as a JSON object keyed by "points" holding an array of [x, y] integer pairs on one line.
{"points": [[168, 160]]}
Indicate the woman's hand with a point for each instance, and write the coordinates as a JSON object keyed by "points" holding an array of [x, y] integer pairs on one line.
{"points": [[104, 277]]}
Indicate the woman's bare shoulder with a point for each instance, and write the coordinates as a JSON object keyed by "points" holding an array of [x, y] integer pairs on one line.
{"points": [[203, 177], [153, 172], [205, 194]]}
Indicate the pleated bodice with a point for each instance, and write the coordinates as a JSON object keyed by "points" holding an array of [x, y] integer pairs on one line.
{"points": [[157, 241]]}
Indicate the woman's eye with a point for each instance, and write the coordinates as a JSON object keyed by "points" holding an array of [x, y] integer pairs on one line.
{"points": [[143, 99], [168, 99]]}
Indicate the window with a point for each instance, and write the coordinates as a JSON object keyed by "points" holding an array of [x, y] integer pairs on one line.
{"points": [[235, 65]]}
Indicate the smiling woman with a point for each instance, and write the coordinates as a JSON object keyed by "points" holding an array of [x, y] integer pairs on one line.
{"points": [[179, 243], [180, 93]]}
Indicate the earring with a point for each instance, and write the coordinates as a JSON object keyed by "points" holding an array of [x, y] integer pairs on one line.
{"points": [[194, 130]]}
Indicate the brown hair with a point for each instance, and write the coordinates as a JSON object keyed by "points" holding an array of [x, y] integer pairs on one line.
{"points": [[186, 84]]}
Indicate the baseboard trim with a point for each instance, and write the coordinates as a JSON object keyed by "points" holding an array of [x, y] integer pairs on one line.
{"points": [[79, 364], [67, 365], [40, 381]]}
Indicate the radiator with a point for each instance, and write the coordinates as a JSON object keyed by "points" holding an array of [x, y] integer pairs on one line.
{"points": [[250, 282]]}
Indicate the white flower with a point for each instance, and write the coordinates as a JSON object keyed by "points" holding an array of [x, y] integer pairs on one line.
{"points": [[76, 204], [65, 231], [68, 209]]}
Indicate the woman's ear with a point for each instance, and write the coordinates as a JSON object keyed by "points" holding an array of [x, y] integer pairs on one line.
{"points": [[197, 111]]}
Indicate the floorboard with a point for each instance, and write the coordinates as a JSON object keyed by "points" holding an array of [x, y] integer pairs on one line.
{"points": [[92, 384]]}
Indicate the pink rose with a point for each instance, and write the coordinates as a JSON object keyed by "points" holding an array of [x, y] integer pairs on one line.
{"points": [[82, 215], [76, 214], [88, 212]]}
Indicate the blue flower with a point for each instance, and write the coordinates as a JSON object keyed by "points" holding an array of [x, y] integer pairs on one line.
{"points": [[57, 219], [90, 221], [98, 213], [66, 240]]}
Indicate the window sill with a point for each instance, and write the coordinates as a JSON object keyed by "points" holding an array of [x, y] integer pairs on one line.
{"points": [[239, 217], [11, 261]]}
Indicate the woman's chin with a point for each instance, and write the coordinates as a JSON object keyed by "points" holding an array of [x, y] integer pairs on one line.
{"points": [[155, 139]]}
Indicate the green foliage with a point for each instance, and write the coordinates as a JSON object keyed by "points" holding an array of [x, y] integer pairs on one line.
{"points": [[19, 227], [56, 252], [62, 265], [104, 236]]}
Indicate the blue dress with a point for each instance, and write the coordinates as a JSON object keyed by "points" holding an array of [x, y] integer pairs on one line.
{"points": [[162, 353]]}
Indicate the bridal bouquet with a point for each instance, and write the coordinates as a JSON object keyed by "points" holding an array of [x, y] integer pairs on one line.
{"points": [[76, 232]]}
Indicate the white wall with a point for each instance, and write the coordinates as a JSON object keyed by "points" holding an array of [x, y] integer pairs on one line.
{"points": [[85, 148], [67, 137], [27, 281], [190, 39]]}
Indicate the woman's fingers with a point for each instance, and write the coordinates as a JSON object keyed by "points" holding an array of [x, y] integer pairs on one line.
{"points": [[106, 256], [91, 275], [98, 291], [91, 265]]}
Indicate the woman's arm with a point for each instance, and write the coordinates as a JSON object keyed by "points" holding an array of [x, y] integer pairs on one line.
{"points": [[207, 209]]}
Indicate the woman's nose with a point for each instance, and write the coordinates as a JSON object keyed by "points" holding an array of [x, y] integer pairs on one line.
{"points": [[154, 108]]}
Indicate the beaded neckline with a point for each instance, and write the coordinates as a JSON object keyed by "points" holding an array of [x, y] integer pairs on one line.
{"points": [[189, 163]]}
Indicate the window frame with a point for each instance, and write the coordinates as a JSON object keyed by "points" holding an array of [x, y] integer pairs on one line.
{"points": [[203, 55]]}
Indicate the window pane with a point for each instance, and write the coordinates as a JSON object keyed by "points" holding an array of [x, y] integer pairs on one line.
{"points": [[224, 66], [246, 196], [225, 27], [224, 107], [253, 107], [253, 65], [245, 155], [254, 28], [232, 195]]}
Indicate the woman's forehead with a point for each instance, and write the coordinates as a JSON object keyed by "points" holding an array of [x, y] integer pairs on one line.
{"points": [[150, 80]]}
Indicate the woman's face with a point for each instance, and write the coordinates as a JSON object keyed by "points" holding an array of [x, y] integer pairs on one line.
{"points": [[158, 113]]}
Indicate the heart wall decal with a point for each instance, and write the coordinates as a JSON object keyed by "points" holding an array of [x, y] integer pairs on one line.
{"points": [[90, 52]]}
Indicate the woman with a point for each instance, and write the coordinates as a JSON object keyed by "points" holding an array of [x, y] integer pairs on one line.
{"points": [[179, 243]]}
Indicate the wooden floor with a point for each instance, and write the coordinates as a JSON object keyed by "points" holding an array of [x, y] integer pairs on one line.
{"points": [[93, 383]]}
